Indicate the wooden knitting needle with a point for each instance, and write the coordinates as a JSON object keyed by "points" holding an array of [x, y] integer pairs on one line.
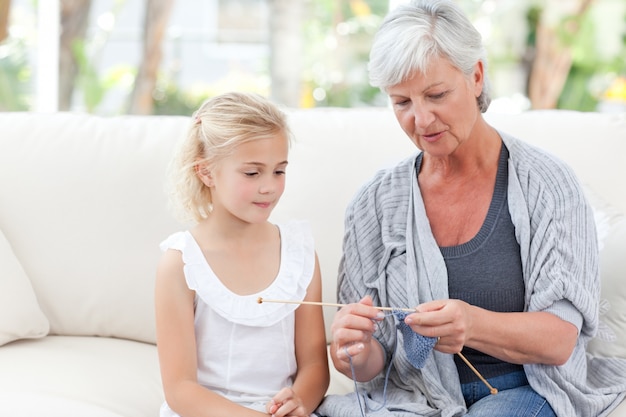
{"points": [[261, 300], [492, 390]]}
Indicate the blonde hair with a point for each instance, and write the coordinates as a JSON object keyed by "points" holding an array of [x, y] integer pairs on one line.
{"points": [[220, 125]]}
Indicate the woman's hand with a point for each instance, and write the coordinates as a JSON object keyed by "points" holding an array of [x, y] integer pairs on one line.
{"points": [[517, 337], [286, 403], [352, 330], [448, 320]]}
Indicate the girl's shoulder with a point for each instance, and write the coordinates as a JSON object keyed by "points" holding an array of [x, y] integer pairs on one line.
{"points": [[184, 243], [177, 241], [295, 229]]}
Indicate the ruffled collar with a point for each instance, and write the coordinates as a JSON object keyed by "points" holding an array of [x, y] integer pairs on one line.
{"points": [[290, 283]]}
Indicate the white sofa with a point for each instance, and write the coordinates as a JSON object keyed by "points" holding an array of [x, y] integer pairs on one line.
{"points": [[82, 211]]}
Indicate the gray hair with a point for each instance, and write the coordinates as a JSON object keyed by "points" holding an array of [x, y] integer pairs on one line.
{"points": [[413, 33]]}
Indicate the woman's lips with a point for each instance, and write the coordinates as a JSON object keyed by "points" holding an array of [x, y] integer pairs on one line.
{"points": [[433, 137]]}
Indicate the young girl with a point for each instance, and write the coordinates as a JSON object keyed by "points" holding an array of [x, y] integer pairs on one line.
{"points": [[222, 353]]}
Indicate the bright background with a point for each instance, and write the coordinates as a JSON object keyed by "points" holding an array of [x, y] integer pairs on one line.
{"points": [[166, 56]]}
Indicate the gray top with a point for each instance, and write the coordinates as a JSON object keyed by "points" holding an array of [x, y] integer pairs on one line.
{"points": [[387, 229], [486, 272]]}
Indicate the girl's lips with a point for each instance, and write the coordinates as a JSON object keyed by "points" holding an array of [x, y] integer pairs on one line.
{"points": [[263, 205], [433, 138]]}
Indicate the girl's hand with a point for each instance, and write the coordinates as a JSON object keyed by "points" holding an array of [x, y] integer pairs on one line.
{"points": [[286, 403]]}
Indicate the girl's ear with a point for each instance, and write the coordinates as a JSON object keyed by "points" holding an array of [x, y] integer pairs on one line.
{"points": [[204, 174]]}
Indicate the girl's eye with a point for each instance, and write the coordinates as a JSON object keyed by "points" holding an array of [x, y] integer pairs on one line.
{"points": [[250, 174], [280, 172]]}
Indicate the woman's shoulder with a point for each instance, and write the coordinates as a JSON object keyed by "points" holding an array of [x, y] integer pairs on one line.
{"points": [[540, 170], [386, 183], [524, 153]]}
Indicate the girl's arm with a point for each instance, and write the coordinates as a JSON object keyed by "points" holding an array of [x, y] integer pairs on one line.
{"points": [[312, 377], [176, 346]]}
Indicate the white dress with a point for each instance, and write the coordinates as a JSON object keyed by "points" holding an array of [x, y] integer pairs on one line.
{"points": [[246, 350]]}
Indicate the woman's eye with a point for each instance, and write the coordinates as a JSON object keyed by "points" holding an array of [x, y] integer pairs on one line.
{"points": [[280, 172], [438, 96], [250, 174]]}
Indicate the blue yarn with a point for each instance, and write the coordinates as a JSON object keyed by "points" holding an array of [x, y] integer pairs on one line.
{"points": [[416, 346]]}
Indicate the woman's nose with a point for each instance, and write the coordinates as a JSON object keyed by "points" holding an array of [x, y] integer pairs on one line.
{"points": [[423, 117]]}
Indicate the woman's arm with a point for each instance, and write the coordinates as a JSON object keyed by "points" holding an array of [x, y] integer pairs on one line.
{"points": [[176, 345], [522, 338]]}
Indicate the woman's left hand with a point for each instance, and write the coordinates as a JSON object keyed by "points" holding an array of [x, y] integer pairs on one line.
{"points": [[447, 320]]}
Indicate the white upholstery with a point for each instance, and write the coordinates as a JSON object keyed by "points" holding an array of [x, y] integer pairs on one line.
{"points": [[96, 376], [83, 210], [20, 315]]}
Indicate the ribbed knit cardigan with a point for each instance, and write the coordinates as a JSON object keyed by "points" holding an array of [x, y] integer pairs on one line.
{"points": [[391, 255]]}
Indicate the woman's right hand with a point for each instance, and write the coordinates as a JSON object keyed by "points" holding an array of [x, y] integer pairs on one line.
{"points": [[353, 348]]}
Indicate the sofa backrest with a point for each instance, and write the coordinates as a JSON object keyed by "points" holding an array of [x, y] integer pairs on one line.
{"points": [[82, 205], [83, 208]]}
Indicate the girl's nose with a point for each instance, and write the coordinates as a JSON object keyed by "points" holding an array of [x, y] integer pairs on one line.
{"points": [[268, 186]]}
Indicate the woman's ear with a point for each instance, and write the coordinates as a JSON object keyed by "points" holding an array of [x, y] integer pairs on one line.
{"points": [[204, 174], [479, 78]]}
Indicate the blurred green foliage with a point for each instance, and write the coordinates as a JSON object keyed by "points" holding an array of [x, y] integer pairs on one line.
{"points": [[15, 76], [590, 72], [337, 37]]}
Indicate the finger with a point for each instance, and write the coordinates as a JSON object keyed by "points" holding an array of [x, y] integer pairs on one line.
{"points": [[435, 305], [352, 328], [289, 408], [363, 308], [272, 407], [347, 352], [283, 396], [429, 318]]}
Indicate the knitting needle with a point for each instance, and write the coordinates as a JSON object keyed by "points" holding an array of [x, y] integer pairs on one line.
{"points": [[261, 300], [492, 390]]}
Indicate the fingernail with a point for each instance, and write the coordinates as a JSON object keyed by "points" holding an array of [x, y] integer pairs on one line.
{"points": [[380, 315]]}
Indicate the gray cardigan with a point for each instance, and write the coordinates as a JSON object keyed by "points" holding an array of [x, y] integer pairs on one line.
{"points": [[387, 230]]}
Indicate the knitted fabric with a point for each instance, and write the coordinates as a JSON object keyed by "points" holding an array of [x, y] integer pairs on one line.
{"points": [[416, 346]]}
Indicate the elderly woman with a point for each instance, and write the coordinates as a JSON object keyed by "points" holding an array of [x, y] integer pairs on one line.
{"points": [[489, 239]]}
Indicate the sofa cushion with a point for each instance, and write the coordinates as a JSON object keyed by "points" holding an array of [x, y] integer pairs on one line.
{"points": [[611, 225], [80, 376], [20, 315], [28, 404]]}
